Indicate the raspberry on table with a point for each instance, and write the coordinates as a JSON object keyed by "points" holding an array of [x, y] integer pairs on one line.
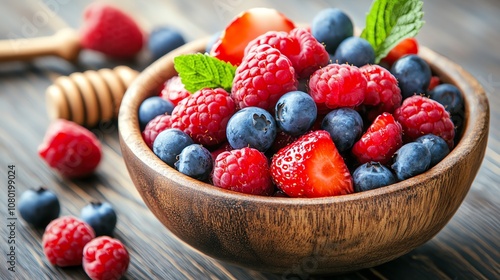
{"points": [[154, 127], [105, 258], [264, 75], [173, 90], [64, 239], [380, 141], [337, 85], [39, 207], [243, 170], [420, 115], [204, 115]]}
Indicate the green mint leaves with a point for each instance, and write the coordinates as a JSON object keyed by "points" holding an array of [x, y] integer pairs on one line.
{"points": [[391, 21], [198, 71]]}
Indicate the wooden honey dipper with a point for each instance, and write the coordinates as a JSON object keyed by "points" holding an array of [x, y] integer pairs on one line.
{"points": [[89, 97]]}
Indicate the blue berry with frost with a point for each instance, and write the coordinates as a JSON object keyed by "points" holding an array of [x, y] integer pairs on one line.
{"points": [[195, 161], [355, 51], [330, 27], [169, 144], [345, 126], [413, 75], [152, 107], [372, 175], [436, 145], [100, 216], [251, 127], [39, 207], [164, 39], [411, 159], [295, 112]]}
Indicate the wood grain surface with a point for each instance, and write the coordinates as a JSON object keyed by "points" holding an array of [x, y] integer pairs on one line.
{"points": [[467, 248]]}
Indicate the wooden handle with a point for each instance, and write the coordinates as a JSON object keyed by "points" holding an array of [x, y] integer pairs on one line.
{"points": [[65, 44]]}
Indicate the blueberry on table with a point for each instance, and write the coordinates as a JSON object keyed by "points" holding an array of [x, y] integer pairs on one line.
{"points": [[251, 127], [152, 107], [331, 26], [411, 159], [100, 216], [170, 143], [39, 207], [295, 112], [195, 161], [413, 75], [372, 175], [436, 145], [164, 39], [345, 126], [356, 51]]}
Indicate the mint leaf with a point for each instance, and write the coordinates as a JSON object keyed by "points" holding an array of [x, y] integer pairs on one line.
{"points": [[391, 21], [198, 71]]}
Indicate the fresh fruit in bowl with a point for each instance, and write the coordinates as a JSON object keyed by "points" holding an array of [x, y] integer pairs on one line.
{"points": [[324, 217]]}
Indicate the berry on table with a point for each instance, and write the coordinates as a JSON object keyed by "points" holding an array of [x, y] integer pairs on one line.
{"points": [[71, 149], [356, 51], [295, 112], [311, 167], [154, 127], [380, 141], [372, 175], [436, 145], [170, 143], [405, 47], [195, 161], [100, 216], [413, 75], [105, 258], [64, 239], [345, 126], [39, 207], [151, 107], [164, 39], [331, 26], [251, 127], [411, 159], [173, 90], [243, 170]]}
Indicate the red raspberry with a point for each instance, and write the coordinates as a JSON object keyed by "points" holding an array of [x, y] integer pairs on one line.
{"points": [[64, 239], [243, 170], [70, 148], [154, 127], [111, 31], [379, 143], [420, 115], [204, 115], [105, 258], [264, 75], [304, 51], [337, 85], [173, 90], [382, 91]]}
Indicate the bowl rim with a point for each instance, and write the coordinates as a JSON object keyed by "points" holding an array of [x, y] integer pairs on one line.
{"points": [[475, 128]]}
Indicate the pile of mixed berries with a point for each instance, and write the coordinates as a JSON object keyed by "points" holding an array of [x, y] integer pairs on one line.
{"points": [[309, 113]]}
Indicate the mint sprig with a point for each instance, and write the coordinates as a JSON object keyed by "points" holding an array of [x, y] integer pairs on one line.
{"points": [[198, 71], [391, 21]]}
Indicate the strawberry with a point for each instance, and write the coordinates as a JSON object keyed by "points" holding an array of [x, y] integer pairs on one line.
{"points": [[407, 46], [246, 27], [111, 31], [311, 167]]}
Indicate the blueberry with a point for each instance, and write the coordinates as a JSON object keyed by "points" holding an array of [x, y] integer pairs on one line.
{"points": [[251, 127], [195, 161], [436, 145], [345, 126], [164, 39], [213, 39], [372, 175], [39, 207], [453, 101], [295, 112], [413, 75], [331, 26], [100, 216], [356, 51], [411, 159], [152, 107], [170, 143]]}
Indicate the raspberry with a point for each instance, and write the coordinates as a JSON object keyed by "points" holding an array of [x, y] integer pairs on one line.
{"points": [[173, 90], [382, 91], [204, 115], [70, 148], [154, 127], [379, 143], [264, 75], [111, 31], [243, 170], [337, 85], [64, 239], [420, 115], [105, 258]]}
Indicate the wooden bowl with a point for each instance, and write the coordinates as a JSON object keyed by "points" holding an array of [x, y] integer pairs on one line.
{"points": [[314, 236]]}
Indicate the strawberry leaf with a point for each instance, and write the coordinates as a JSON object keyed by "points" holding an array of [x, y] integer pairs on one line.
{"points": [[198, 71], [391, 21]]}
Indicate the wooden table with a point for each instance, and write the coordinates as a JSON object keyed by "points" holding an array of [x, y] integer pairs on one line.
{"points": [[467, 248]]}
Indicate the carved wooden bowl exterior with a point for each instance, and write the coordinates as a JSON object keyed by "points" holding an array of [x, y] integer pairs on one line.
{"points": [[323, 235]]}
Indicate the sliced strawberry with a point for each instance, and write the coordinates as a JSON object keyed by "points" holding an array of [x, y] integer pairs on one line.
{"points": [[407, 46], [311, 167], [246, 27]]}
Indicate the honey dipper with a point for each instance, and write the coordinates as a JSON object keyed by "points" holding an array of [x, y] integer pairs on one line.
{"points": [[89, 97]]}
